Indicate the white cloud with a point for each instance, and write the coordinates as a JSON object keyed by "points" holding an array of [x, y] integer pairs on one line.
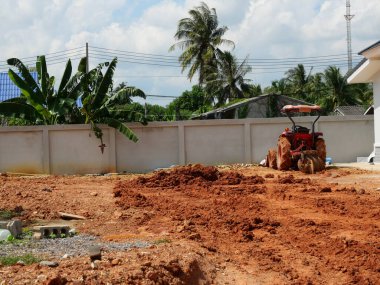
{"points": [[260, 28]]}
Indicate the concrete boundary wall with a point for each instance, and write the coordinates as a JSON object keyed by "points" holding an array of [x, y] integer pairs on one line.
{"points": [[74, 149]]}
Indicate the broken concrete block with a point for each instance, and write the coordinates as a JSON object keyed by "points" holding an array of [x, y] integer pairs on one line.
{"points": [[95, 252], [15, 227]]}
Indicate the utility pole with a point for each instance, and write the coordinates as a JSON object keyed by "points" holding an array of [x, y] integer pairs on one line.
{"points": [[87, 59], [349, 17]]}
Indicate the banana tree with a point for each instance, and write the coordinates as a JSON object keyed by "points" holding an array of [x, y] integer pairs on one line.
{"points": [[38, 101], [100, 105]]}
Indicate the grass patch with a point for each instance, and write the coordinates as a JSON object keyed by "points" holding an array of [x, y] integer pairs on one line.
{"points": [[7, 214], [161, 241], [12, 260]]}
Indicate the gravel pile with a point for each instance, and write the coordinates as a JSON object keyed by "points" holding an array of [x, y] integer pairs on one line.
{"points": [[70, 246]]}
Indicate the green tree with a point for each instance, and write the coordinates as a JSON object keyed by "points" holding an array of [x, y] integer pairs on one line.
{"points": [[190, 102], [125, 94], [157, 113], [39, 103], [339, 92], [99, 107], [226, 80], [298, 81], [254, 90], [280, 87], [364, 93], [199, 36]]}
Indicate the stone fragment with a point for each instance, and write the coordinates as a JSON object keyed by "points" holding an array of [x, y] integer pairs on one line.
{"points": [[95, 252], [72, 232], [67, 216], [20, 262], [41, 278], [115, 262], [15, 227], [37, 236], [194, 236], [58, 280], [49, 263]]}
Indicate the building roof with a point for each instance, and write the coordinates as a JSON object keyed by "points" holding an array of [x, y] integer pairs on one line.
{"points": [[370, 47], [369, 111], [350, 110], [353, 70], [245, 102], [7, 89], [368, 67]]}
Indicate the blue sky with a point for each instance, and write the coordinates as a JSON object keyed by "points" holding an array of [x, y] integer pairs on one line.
{"points": [[261, 29]]}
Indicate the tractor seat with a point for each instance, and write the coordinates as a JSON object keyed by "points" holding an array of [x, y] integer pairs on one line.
{"points": [[300, 130]]}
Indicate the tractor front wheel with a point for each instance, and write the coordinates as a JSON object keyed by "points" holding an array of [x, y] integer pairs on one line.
{"points": [[284, 159]]}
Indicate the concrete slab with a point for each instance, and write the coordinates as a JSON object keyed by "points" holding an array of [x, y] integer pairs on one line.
{"points": [[359, 165]]}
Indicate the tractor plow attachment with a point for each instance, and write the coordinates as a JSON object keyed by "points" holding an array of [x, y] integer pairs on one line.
{"points": [[310, 162]]}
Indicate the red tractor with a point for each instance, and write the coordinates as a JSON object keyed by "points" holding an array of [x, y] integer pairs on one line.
{"points": [[299, 148]]}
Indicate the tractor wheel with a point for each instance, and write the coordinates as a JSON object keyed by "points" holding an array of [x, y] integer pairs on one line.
{"points": [[271, 158], [284, 159], [320, 147]]}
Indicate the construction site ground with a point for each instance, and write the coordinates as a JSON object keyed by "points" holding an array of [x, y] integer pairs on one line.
{"points": [[237, 224]]}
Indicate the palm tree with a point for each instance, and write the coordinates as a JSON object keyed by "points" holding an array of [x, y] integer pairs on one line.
{"points": [[298, 80], [339, 93], [226, 80], [199, 36], [278, 86]]}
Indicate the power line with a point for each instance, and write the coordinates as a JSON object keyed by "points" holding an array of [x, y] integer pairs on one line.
{"points": [[47, 54], [133, 58], [50, 59], [176, 57]]}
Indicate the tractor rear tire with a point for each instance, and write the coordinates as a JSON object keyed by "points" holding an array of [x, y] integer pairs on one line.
{"points": [[284, 159], [320, 147], [271, 158]]}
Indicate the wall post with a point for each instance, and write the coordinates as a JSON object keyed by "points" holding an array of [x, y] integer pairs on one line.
{"points": [[181, 144], [247, 143], [46, 150], [112, 150]]}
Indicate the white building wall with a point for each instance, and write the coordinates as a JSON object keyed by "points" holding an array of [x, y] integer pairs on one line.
{"points": [[376, 106], [73, 149]]}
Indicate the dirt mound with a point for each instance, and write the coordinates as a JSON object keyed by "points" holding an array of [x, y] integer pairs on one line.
{"points": [[214, 226], [186, 175], [290, 179], [191, 175]]}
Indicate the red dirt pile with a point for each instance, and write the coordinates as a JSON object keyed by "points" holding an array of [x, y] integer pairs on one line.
{"points": [[286, 225]]}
